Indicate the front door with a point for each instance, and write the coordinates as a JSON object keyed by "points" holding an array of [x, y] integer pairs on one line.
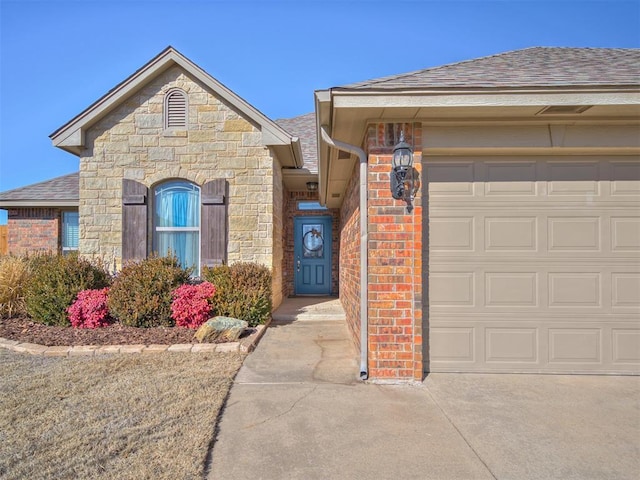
{"points": [[312, 250]]}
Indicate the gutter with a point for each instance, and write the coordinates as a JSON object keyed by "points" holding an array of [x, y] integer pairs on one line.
{"points": [[364, 251]]}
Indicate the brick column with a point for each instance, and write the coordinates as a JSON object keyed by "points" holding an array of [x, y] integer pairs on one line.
{"points": [[395, 263]]}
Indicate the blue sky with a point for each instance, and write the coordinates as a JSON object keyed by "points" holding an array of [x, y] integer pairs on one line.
{"points": [[57, 57]]}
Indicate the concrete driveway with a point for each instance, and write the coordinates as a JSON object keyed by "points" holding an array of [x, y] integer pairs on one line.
{"points": [[296, 411], [545, 426]]}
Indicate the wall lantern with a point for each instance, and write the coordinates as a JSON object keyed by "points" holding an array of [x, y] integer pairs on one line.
{"points": [[404, 178], [312, 186]]}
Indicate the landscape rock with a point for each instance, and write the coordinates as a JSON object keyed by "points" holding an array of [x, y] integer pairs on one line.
{"points": [[221, 329]]}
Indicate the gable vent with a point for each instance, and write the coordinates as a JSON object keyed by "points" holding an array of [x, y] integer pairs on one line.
{"points": [[564, 109], [176, 110]]}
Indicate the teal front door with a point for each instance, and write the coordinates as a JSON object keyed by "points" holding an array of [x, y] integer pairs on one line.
{"points": [[312, 250]]}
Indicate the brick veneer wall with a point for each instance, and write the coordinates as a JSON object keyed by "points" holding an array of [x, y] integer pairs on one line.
{"points": [[291, 212], [33, 229], [350, 255], [395, 262], [131, 143]]}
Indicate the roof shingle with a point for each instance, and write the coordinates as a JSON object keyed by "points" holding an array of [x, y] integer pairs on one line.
{"points": [[64, 188], [530, 67], [304, 127]]}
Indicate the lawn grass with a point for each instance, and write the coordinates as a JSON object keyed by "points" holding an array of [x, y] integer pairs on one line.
{"points": [[111, 417]]}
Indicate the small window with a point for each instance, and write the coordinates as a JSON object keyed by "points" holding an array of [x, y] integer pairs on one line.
{"points": [[177, 222], [309, 205], [175, 110], [70, 231]]}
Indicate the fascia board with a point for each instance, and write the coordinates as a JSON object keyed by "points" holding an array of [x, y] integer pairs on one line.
{"points": [[74, 139], [323, 117], [482, 99], [296, 147], [6, 204], [322, 96]]}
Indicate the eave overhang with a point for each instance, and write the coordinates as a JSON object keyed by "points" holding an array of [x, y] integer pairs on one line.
{"points": [[346, 113]]}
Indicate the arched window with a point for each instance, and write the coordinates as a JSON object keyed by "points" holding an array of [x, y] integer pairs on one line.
{"points": [[176, 222], [175, 109]]}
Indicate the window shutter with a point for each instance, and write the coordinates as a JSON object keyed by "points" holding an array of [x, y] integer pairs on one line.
{"points": [[176, 113], [213, 234], [134, 220]]}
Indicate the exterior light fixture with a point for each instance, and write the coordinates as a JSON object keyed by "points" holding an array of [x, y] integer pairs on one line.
{"points": [[312, 186], [404, 178]]}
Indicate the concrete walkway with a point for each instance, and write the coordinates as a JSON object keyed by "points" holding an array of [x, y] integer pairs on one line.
{"points": [[297, 411]]}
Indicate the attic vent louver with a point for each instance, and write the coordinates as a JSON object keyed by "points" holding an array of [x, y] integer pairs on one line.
{"points": [[175, 110], [564, 109]]}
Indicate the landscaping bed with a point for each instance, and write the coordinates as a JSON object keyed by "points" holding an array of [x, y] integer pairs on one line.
{"points": [[28, 331], [67, 301]]}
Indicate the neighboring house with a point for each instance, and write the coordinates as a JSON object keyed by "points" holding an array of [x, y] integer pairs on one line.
{"points": [[43, 216], [522, 251]]}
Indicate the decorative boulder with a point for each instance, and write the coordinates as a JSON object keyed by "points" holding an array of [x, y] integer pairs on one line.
{"points": [[221, 329]]}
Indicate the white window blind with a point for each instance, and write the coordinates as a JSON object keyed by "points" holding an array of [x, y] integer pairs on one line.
{"points": [[70, 231]]}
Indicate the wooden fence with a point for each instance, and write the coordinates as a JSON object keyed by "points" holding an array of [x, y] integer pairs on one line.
{"points": [[4, 246]]}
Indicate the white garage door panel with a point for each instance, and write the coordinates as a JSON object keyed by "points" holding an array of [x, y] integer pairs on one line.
{"points": [[534, 265], [524, 345]]}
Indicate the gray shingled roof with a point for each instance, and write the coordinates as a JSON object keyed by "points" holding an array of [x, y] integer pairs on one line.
{"points": [[64, 188], [304, 127], [530, 67]]}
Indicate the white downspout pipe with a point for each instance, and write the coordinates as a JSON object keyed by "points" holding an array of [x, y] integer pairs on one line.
{"points": [[364, 251]]}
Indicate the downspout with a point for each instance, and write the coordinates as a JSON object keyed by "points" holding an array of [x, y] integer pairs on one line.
{"points": [[364, 251]]}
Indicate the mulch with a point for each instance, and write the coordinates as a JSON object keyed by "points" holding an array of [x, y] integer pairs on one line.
{"points": [[25, 330]]}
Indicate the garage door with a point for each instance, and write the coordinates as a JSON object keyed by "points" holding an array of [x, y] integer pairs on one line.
{"points": [[534, 264]]}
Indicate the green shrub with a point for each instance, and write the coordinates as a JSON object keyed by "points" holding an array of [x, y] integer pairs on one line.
{"points": [[14, 273], [141, 293], [54, 282], [243, 290]]}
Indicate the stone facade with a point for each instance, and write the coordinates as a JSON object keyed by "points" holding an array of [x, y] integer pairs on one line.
{"points": [[278, 208], [33, 229], [131, 142]]}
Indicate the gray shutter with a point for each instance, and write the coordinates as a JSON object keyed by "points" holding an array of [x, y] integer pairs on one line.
{"points": [[213, 234], [134, 220]]}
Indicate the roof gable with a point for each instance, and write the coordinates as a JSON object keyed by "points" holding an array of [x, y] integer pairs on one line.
{"points": [[70, 136], [529, 67]]}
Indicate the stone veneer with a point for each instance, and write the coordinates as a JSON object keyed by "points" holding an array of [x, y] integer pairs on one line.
{"points": [[131, 142]]}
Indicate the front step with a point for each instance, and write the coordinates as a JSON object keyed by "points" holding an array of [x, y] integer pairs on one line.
{"points": [[309, 309]]}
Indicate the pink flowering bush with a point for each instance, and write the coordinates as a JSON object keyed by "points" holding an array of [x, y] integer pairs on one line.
{"points": [[191, 304], [89, 310]]}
